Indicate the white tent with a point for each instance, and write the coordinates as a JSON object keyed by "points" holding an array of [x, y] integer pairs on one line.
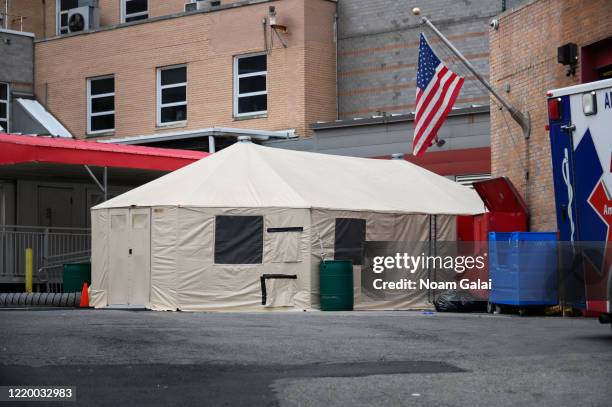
{"points": [[200, 238]]}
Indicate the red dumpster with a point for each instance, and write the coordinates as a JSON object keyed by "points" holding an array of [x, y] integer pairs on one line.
{"points": [[507, 212]]}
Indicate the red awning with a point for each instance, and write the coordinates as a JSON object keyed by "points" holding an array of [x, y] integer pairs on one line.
{"points": [[18, 149], [475, 160]]}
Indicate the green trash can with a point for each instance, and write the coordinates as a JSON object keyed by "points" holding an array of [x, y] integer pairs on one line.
{"points": [[336, 285], [75, 275]]}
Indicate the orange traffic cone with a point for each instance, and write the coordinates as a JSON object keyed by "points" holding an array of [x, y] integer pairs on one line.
{"points": [[84, 297]]}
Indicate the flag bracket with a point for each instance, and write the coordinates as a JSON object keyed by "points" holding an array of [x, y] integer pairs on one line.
{"points": [[521, 118]]}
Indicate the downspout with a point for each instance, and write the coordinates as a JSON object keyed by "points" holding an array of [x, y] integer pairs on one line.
{"points": [[336, 41], [6, 14], [44, 11]]}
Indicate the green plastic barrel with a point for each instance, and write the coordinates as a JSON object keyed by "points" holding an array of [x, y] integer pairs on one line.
{"points": [[336, 285], [75, 275]]}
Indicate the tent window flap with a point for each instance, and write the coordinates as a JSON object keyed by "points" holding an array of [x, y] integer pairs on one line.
{"points": [[349, 239], [238, 239]]}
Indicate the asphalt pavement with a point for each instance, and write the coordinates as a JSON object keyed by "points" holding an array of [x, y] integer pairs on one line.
{"points": [[146, 358]]}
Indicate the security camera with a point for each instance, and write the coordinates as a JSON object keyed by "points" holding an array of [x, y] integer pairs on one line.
{"points": [[494, 24]]}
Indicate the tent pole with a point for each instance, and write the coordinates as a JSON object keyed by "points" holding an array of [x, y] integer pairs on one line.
{"points": [[211, 144], [105, 184]]}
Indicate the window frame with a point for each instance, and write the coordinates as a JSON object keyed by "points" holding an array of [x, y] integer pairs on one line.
{"points": [[58, 18], [159, 89], [90, 97], [125, 16], [8, 105], [236, 80]]}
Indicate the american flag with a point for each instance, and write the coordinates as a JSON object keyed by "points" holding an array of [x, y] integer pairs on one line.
{"points": [[437, 90]]}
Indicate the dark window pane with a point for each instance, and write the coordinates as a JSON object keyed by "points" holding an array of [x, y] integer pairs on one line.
{"points": [[251, 64], [135, 18], [3, 91], [238, 239], [100, 86], [103, 122], [252, 84], [68, 4], [4, 125], [172, 95], [63, 31], [174, 75], [64, 20], [253, 104], [349, 239], [135, 6], [173, 114], [3, 110], [104, 104]]}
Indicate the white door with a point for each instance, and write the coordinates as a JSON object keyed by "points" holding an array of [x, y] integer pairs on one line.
{"points": [[129, 257], [118, 260]]}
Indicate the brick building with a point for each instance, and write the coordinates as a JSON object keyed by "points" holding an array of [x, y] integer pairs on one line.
{"points": [[377, 60], [150, 68], [524, 63], [378, 49]]}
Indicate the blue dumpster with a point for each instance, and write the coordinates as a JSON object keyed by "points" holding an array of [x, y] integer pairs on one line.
{"points": [[523, 268]]}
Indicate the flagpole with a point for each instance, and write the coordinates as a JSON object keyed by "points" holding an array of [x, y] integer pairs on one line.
{"points": [[522, 119]]}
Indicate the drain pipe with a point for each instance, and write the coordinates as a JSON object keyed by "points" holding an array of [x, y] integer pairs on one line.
{"points": [[336, 70]]}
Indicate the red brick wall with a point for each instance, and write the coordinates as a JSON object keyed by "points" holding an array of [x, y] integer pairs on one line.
{"points": [[524, 56]]}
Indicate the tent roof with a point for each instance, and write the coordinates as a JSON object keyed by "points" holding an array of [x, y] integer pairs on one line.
{"points": [[249, 175]]}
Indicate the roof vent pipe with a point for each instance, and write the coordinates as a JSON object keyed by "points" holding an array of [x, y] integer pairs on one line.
{"points": [[244, 139], [397, 156]]}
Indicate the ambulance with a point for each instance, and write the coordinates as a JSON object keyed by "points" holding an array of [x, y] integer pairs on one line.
{"points": [[580, 126]]}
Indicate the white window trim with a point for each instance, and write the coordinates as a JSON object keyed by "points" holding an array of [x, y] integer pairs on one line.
{"points": [[237, 78], [8, 106], [159, 88], [124, 16], [90, 98], [58, 20]]}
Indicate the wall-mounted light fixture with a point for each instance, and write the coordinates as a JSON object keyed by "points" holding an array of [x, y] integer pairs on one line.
{"points": [[568, 55], [275, 27]]}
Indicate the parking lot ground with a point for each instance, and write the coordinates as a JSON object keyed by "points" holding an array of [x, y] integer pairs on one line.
{"points": [[145, 358]]}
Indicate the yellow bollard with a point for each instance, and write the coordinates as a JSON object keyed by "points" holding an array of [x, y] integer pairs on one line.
{"points": [[28, 270]]}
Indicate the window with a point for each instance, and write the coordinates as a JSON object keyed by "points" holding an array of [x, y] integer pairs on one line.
{"points": [[62, 7], [4, 106], [250, 88], [171, 95], [100, 104], [132, 10], [350, 237], [238, 239]]}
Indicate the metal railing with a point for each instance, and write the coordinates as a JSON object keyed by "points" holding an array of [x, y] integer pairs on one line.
{"points": [[52, 248]]}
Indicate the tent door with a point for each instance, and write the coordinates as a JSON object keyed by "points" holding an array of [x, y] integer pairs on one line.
{"points": [[140, 256], [129, 257]]}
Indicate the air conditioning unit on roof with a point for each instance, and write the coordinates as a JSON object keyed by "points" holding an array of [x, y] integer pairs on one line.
{"points": [[202, 5]]}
